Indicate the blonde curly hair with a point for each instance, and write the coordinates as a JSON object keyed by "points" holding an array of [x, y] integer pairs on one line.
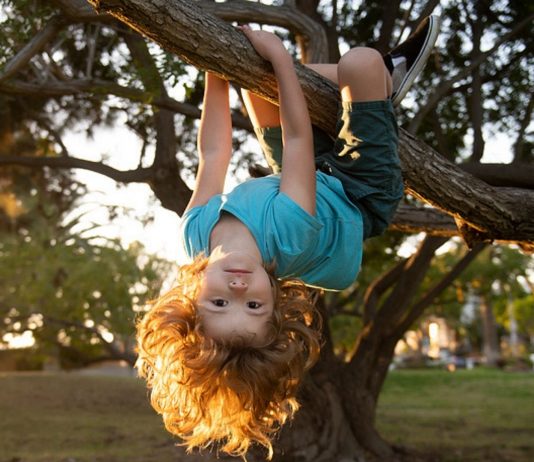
{"points": [[226, 391]]}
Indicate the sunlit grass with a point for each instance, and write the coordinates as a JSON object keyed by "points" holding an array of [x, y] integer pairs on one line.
{"points": [[477, 415]]}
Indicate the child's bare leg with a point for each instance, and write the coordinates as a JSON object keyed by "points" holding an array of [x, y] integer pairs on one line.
{"points": [[363, 70], [362, 76], [365, 77], [328, 71], [262, 113], [265, 115]]}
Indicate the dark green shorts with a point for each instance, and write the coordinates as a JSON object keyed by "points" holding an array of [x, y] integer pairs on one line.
{"points": [[363, 157]]}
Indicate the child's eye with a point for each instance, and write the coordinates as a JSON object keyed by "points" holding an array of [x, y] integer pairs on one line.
{"points": [[219, 302], [254, 305]]}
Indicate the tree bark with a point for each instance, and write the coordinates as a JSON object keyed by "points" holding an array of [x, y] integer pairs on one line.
{"points": [[314, 42], [515, 175]]}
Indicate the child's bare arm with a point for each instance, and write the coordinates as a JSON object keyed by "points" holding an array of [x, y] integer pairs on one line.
{"points": [[298, 165], [214, 141]]}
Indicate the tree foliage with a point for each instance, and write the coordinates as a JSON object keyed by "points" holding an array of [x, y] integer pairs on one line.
{"points": [[76, 292]]}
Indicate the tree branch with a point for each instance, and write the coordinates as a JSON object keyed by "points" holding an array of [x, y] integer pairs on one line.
{"points": [[414, 270], [514, 175], [411, 219], [474, 99], [440, 183], [167, 184], [81, 11], [425, 301], [378, 287], [389, 15], [104, 87], [284, 16], [520, 140], [140, 175], [444, 88], [33, 47]]}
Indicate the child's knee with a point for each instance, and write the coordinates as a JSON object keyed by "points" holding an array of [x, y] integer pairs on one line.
{"points": [[363, 75], [360, 60]]}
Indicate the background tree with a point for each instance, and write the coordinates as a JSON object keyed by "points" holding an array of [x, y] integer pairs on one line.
{"points": [[90, 69], [76, 292]]}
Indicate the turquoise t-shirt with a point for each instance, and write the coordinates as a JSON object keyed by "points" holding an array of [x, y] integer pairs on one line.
{"points": [[323, 251]]}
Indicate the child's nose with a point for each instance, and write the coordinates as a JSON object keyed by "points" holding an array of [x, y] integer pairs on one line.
{"points": [[238, 284]]}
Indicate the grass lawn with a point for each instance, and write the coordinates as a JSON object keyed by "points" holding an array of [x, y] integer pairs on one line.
{"points": [[467, 416], [478, 415]]}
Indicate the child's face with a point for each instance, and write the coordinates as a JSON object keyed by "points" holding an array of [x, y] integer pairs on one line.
{"points": [[235, 297]]}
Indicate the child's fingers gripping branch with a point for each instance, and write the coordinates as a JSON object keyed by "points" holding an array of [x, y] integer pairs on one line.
{"points": [[268, 45]]}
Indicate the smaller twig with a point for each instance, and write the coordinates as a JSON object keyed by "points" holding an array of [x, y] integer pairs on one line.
{"points": [[32, 48], [92, 39]]}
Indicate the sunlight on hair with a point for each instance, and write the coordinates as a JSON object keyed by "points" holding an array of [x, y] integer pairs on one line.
{"points": [[228, 393]]}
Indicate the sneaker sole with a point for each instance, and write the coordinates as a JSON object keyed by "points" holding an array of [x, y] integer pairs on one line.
{"points": [[419, 64]]}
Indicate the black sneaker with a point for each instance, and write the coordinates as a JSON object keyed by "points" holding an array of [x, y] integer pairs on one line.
{"points": [[408, 59]]}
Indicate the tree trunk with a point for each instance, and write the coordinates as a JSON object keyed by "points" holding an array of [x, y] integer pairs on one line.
{"points": [[490, 338]]}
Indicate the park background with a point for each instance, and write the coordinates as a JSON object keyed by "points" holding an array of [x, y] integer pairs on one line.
{"points": [[97, 140]]}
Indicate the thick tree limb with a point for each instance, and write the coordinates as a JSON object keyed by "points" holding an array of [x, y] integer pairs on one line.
{"points": [[288, 17], [410, 219], [316, 45], [515, 175], [502, 213], [183, 28]]}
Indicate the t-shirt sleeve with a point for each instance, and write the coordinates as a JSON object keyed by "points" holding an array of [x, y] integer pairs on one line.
{"points": [[192, 233]]}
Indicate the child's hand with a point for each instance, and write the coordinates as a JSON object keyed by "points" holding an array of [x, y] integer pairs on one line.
{"points": [[268, 45]]}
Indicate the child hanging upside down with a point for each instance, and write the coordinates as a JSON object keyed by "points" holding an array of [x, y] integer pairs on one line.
{"points": [[225, 350]]}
